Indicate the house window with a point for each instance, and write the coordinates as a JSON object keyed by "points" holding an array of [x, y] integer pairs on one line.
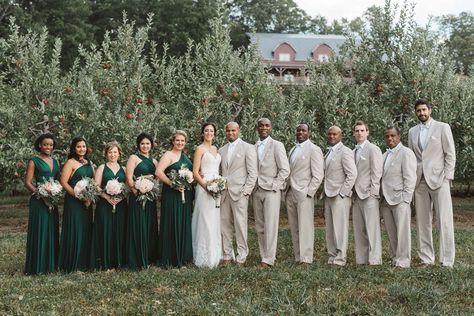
{"points": [[284, 57], [323, 58], [289, 78]]}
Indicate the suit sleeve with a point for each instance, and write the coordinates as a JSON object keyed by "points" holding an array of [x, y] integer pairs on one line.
{"points": [[410, 143], [350, 170], [252, 169], [409, 175], [317, 170], [449, 152], [376, 170], [283, 167]]}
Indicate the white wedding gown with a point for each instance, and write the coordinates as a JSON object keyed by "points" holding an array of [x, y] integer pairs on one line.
{"points": [[206, 222]]}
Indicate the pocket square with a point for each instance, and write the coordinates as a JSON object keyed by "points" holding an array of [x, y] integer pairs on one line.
{"points": [[238, 155], [432, 137], [362, 158], [303, 157]]}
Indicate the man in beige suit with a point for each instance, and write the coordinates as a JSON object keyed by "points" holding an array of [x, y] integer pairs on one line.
{"points": [[365, 207], [239, 166], [433, 145], [340, 175], [398, 184], [273, 169], [306, 174]]}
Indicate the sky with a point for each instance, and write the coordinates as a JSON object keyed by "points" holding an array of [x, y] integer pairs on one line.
{"points": [[337, 9]]}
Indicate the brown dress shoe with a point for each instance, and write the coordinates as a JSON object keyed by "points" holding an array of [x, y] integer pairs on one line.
{"points": [[263, 265]]}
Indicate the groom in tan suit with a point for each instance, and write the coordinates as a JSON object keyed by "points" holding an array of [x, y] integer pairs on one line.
{"points": [[340, 175], [365, 207], [433, 145], [306, 175], [398, 184], [239, 166], [273, 169]]}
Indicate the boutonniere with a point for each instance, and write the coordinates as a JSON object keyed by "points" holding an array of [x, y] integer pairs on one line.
{"points": [[303, 157], [362, 158], [432, 137], [238, 155]]}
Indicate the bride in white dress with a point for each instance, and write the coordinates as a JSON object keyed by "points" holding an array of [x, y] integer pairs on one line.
{"points": [[206, 223]]}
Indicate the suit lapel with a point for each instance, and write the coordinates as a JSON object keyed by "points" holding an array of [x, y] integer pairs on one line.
{"points": [[265, 150], [292, 161], [336, 152], [430, 133]]}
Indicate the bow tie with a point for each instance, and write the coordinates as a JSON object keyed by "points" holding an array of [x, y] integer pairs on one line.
{"points": [[299, 145], [424, 126], [259, 143], [358, 147], [391, 151]]}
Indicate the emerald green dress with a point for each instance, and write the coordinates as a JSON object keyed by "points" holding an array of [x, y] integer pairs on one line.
{"points": [[42, 241], [108, 238], [75, 249], [175, 243], [142, 224]]}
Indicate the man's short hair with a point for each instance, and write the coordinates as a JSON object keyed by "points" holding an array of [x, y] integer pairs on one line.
{"points": [[423, 101], [396, 128], [358, 123]]}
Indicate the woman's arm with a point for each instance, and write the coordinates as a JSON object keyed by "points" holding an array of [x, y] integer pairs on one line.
{"points": [[30, 172], [197, 166], [129, 169], [66, 175]]}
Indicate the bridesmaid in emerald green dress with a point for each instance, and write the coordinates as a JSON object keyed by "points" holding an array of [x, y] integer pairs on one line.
{"points": [[42, 244], [108, 238], [142, 223], [75, 248], [175, 242]]}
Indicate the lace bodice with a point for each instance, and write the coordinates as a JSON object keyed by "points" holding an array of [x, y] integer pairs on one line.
{"points": [[210, 165]]}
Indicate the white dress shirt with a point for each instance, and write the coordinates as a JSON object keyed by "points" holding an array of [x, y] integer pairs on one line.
{"points": [[390, 153], [424, 127], [230, 151], [261, 147], [297, 150], [358, 151]]}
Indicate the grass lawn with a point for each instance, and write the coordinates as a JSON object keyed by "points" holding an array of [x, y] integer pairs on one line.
{"points": [[287, 288]]}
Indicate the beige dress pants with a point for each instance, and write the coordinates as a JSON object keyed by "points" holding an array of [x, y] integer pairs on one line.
{"points": [[301, 219], [234, 216], [397, 223], [426, 200], [367, 237], [266, 206], [336, 213]]}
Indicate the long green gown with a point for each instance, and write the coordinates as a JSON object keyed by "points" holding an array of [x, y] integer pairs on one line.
{"points": [[175, 243], [42, 245], [142, 224], [75, 249], [108, 237]]}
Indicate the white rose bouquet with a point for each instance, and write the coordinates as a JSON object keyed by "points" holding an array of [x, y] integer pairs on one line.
{"points": [[117, 190], [148, 189], [86, 189], [51, 192], [216, 186], [183, 178]]}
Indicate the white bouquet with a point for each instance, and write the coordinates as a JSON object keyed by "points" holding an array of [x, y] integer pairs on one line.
{"points": [[183, 178], [148, 189], [216, 186], [86, 189], [117, 190], [50, 191]]}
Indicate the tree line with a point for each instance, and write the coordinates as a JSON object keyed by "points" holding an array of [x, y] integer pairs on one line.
{"points": [[175, 22]]}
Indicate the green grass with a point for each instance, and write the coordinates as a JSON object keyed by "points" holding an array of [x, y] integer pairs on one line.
{"points": [[285, 289]]}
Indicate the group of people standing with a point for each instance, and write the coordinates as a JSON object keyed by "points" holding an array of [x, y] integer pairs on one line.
{"points": [[200, 230]]}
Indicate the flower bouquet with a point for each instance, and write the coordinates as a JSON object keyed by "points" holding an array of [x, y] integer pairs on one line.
{"points": [[183, 178], [148, 189], [86, 189], [117, 190], [216, 186], [50, 192]]}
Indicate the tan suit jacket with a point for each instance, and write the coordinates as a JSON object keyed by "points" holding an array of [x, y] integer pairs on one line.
{"points": [[273, 169], [369, 171], [340, 172], [241, 171], [438, 160], [307, 170], [399, 177]]}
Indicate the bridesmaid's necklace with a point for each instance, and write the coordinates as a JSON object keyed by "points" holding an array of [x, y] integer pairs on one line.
{"points": [[82, 161]]}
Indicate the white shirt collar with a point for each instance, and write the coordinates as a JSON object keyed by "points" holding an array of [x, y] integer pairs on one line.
{"points": [[426, 124], [302, 144], [395, 149], [235, 142], [264, 142]]}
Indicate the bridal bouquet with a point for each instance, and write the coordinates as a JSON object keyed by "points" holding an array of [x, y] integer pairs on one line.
{"points": [[148, 189], [117, 190], [50, 191], [216, 186], [86, 189], [183, 178]]}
